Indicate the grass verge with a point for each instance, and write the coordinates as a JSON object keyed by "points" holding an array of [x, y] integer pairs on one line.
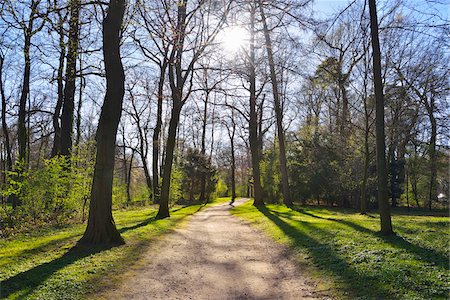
{"points": [[345, 252], [44, 265]]}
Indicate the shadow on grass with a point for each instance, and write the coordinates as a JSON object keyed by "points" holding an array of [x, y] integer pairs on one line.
{"points": [[47, 245], [152, 219], [425, 254], [325, 257], [24, 283]]}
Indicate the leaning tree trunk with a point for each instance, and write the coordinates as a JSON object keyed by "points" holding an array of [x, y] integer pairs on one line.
{"points": [[69, 89], [278, 112], [383, 201], [101, 228]]}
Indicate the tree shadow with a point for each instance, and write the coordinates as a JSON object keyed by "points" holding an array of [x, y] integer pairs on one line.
{"points": [[27, 281], [325, 257], [152, 219], [425, 254], [429, 255]]}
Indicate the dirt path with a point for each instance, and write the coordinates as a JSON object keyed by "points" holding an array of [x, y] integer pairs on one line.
{"points": [[215, 256]]}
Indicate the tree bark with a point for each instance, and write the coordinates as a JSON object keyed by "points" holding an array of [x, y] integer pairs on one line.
{"points": [[69, 88], [56, 116], [156, 143], [278, 112], [163, 211], [432, 193], [253, 121], [385, 213], [130, 168], [4, 124], [21, 125], [101, 228], [203, 145]]}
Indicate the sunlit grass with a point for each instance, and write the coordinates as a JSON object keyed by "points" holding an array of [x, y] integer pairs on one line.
{"points": [[345, 252], [43, 265]]}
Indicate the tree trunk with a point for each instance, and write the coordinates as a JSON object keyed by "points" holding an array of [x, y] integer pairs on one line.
{"points": [[129, 179], [79, 106], [21, 125], [56, 126], [432, 194], [69, 88], [163, 211], [278, 112], [253, 122], [233, 165], [101, 228], [203, 146], [4, 124], [385, 213], [157, 133], [363, 206]]}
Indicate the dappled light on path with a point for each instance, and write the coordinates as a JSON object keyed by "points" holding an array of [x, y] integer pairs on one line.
{"points": [[216, 256]]}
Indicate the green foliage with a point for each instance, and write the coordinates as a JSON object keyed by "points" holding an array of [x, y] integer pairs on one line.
{"points": [[346, 253], [222, 189], [176, 182], [195, 167], [53, 193], [270, 175]]}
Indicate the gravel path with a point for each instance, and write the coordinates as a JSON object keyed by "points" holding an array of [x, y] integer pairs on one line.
{"points": [[215, 256]]}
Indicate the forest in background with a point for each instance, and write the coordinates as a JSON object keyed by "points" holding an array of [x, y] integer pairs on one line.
{"points": [[188, 131]]}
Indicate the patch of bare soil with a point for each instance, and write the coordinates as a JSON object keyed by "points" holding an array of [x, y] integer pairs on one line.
{"points": [[215, 256]]}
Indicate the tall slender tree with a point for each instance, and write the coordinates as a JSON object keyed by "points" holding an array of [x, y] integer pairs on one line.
{"points": [[71, 70], [278, 110], [255, 147], [383, 200]]}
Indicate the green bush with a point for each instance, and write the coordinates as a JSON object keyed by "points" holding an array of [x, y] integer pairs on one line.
{"points": [[55, 193]]}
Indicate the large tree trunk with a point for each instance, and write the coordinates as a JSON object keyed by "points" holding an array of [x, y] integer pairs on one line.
{"points": [[385, 213], [69, 88], [253, 122], [101, 228], [278, 112]]}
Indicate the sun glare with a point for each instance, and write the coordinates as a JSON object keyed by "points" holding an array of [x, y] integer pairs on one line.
{"points": [[233, 39]]}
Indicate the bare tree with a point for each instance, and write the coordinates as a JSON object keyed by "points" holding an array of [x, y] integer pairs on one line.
{"points": [[278, 111]]}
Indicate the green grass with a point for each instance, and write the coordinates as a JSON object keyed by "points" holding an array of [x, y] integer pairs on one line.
{"points": [[345, 253], [44, 265]]}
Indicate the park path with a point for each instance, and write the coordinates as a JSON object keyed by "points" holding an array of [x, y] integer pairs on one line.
{"points": [[215, 256]]}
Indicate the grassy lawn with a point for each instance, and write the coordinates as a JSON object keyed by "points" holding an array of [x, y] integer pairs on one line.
{"points": [[43, 265], [345, 253]]}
